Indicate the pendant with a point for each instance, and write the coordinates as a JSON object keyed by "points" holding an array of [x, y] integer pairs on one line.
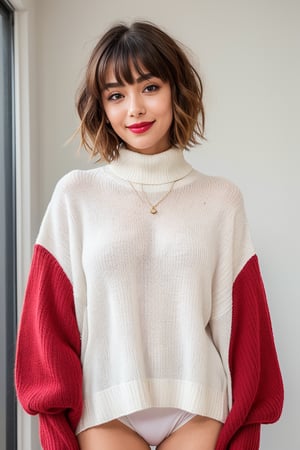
{"points": [[153, 210]]}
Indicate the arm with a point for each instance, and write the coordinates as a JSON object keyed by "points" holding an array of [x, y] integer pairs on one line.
{"points": [[257, 389], [48, 371]]}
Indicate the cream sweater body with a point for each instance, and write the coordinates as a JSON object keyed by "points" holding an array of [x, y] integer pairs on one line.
{"points": [[152, 293]]}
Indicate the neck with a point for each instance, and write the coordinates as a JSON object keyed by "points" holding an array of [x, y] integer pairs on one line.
{"points": [[160, 168]]}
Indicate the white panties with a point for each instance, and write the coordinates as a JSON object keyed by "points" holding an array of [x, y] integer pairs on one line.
{"points": [[156, 424]]}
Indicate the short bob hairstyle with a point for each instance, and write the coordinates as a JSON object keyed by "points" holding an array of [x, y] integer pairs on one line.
{"points": [[146, 47]]}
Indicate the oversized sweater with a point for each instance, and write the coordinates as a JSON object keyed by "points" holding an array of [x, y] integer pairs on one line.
{"points": [[126, 310]]}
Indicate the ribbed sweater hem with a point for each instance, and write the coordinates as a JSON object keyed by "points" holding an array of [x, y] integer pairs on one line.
{"points": [[133, 396]]}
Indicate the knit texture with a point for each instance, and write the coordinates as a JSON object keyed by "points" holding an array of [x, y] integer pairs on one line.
{"points": [[148, 310], [48, 370], [256, 380]]}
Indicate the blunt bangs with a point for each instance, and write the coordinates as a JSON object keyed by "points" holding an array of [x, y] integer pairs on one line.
{"points": [[133, 52]]}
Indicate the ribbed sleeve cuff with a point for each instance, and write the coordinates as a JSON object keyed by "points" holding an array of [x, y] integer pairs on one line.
{"points": [[56, 433]]}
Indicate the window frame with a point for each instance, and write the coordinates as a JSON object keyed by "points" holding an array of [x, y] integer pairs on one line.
{"points": [[8, 304]]}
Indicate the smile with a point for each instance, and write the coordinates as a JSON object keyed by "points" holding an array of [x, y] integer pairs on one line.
{"points": [[140, 127]]}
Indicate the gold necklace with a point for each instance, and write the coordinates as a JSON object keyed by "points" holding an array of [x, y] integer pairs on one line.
{"points": [[153, 206]]}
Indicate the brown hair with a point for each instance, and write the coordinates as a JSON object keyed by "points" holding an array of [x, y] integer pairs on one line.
{"points": [[146, 47]]}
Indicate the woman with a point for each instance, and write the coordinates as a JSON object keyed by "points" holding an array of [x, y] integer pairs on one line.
{"points": [[145, 319]]}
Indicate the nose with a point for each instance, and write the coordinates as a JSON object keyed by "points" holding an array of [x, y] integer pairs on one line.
{"points": [[136, 106]]}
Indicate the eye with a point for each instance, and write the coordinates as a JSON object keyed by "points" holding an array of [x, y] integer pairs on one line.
{"points": [[151, 88], [115, 96]]}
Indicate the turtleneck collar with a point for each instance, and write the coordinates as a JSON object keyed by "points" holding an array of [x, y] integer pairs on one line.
{"points": [[160, 168]]}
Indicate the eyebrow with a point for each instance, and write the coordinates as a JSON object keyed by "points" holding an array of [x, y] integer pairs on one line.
{"points": [[140, 79]]}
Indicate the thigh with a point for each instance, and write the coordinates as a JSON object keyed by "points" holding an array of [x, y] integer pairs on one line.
{"points": [[113, 435], [200, 433]]}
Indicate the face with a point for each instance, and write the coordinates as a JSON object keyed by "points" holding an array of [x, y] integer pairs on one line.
{"points": [[140, 113]]}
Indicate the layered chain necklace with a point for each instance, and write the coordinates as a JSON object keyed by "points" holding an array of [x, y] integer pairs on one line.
{"points": [[144, 197]]}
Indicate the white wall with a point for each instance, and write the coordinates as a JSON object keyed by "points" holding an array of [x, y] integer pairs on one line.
{"points": [[248, 54]]}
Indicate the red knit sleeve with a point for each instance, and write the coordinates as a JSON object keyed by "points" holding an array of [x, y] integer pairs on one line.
{"points": [[48, 371], [257, 387]]}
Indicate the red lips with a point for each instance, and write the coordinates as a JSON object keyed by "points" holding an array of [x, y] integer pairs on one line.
{"points": [[140, 127]]}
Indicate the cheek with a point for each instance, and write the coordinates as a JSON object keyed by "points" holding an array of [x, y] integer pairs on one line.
{"points": [[168, 111], [162, 107], [113, 114], [168, 106]]}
